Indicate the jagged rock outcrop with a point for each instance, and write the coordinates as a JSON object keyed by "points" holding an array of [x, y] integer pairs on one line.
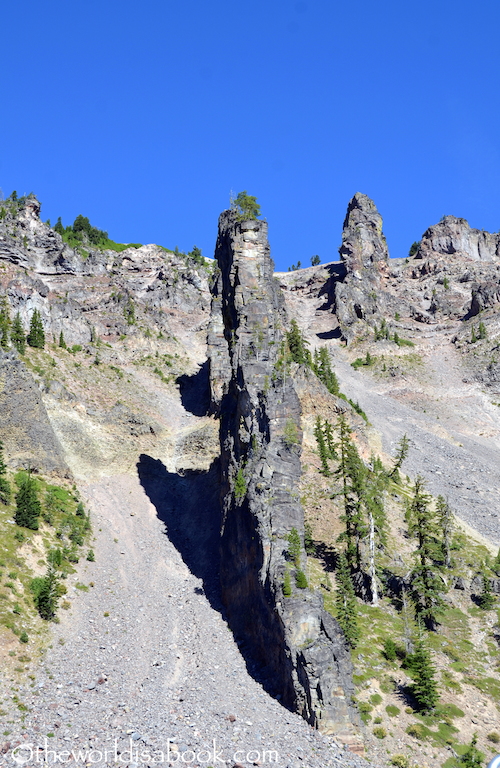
{"points": [[25, 428], [454, 236], [88, 294], [298, 646], [365, 256]]}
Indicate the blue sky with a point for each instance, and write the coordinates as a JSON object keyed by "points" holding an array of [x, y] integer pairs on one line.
{"points": [[144, 116]]}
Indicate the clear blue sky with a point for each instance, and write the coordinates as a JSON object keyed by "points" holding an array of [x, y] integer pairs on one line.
{"points": [[145, 115]]}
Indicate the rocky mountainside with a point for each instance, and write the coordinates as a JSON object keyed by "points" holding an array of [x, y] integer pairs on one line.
{"points": [[165, 395]]}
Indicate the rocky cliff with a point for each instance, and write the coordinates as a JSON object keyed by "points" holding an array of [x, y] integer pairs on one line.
{"points": [[300, 649]]}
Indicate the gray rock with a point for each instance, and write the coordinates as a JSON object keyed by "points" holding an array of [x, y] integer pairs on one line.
{"points": [[299, 648]]}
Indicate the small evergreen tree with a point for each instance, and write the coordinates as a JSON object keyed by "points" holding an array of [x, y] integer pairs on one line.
{"points": [[4, 322], [426, 584], [323, 369], [322, 449], [445, 523], [17, 335], [315, 260], [28, 507], [246, 205], [330, 442], [62, 343], [46, 594], [352, 473], [294, 546], [401, 454], [36, 335], [486, 598], [345, 602], [297, 345], [472, 757], [423, 673], [240, 486], [482, 331], [4, 483]]}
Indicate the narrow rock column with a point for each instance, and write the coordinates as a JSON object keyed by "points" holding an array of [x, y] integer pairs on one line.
{"points": [[299, 648]]}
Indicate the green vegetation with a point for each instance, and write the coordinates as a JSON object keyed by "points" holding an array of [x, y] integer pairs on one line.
{"points": [[287, 584], [424, 688], [414, 248], [315, 261], [36, 335], [240, 486], [28, 506], [345, 603], [5, 492], [17, 335], [246, 206], [81, 233]]}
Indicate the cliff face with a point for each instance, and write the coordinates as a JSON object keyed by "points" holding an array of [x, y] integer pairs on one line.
{"points": [[299, 647]]}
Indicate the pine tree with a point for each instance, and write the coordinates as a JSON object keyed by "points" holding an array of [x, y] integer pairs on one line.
{"points": [[445, 522], [4, 322], [4, 483], [297, 345], [46, 594], [345, 602], [322, 449], [352, 473], [401, 454], [36, 335], [423, 673], [472, 757], [28, 507], [486, 598], [62, 343], [330, 442], [323, 369], [17, 335], [426, 584], [294, 546], [377, 522]]}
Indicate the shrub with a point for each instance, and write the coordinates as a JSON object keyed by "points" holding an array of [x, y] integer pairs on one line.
{"points": [[400, 761], [91, 556], [390, 650], [392, 710], [240, 486], [494, 737], [380, 732], [23, 637]]}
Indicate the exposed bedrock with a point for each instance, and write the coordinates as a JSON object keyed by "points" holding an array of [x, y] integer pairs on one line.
{"points": [[299, 647]]}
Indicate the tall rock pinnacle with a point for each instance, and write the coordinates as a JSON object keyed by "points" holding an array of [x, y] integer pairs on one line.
{"points": [[298, 647]]}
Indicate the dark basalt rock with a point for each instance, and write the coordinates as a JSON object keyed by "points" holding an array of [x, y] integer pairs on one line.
{"points": [[299, 648]]}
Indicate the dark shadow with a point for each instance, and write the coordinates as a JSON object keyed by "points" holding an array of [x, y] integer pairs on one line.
{"points": [[337, 273], [189, 505], [335, 334], [195, 391]]}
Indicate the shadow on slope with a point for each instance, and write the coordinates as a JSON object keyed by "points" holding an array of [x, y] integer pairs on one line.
{"points": [[189, 505], [195, 391]]}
